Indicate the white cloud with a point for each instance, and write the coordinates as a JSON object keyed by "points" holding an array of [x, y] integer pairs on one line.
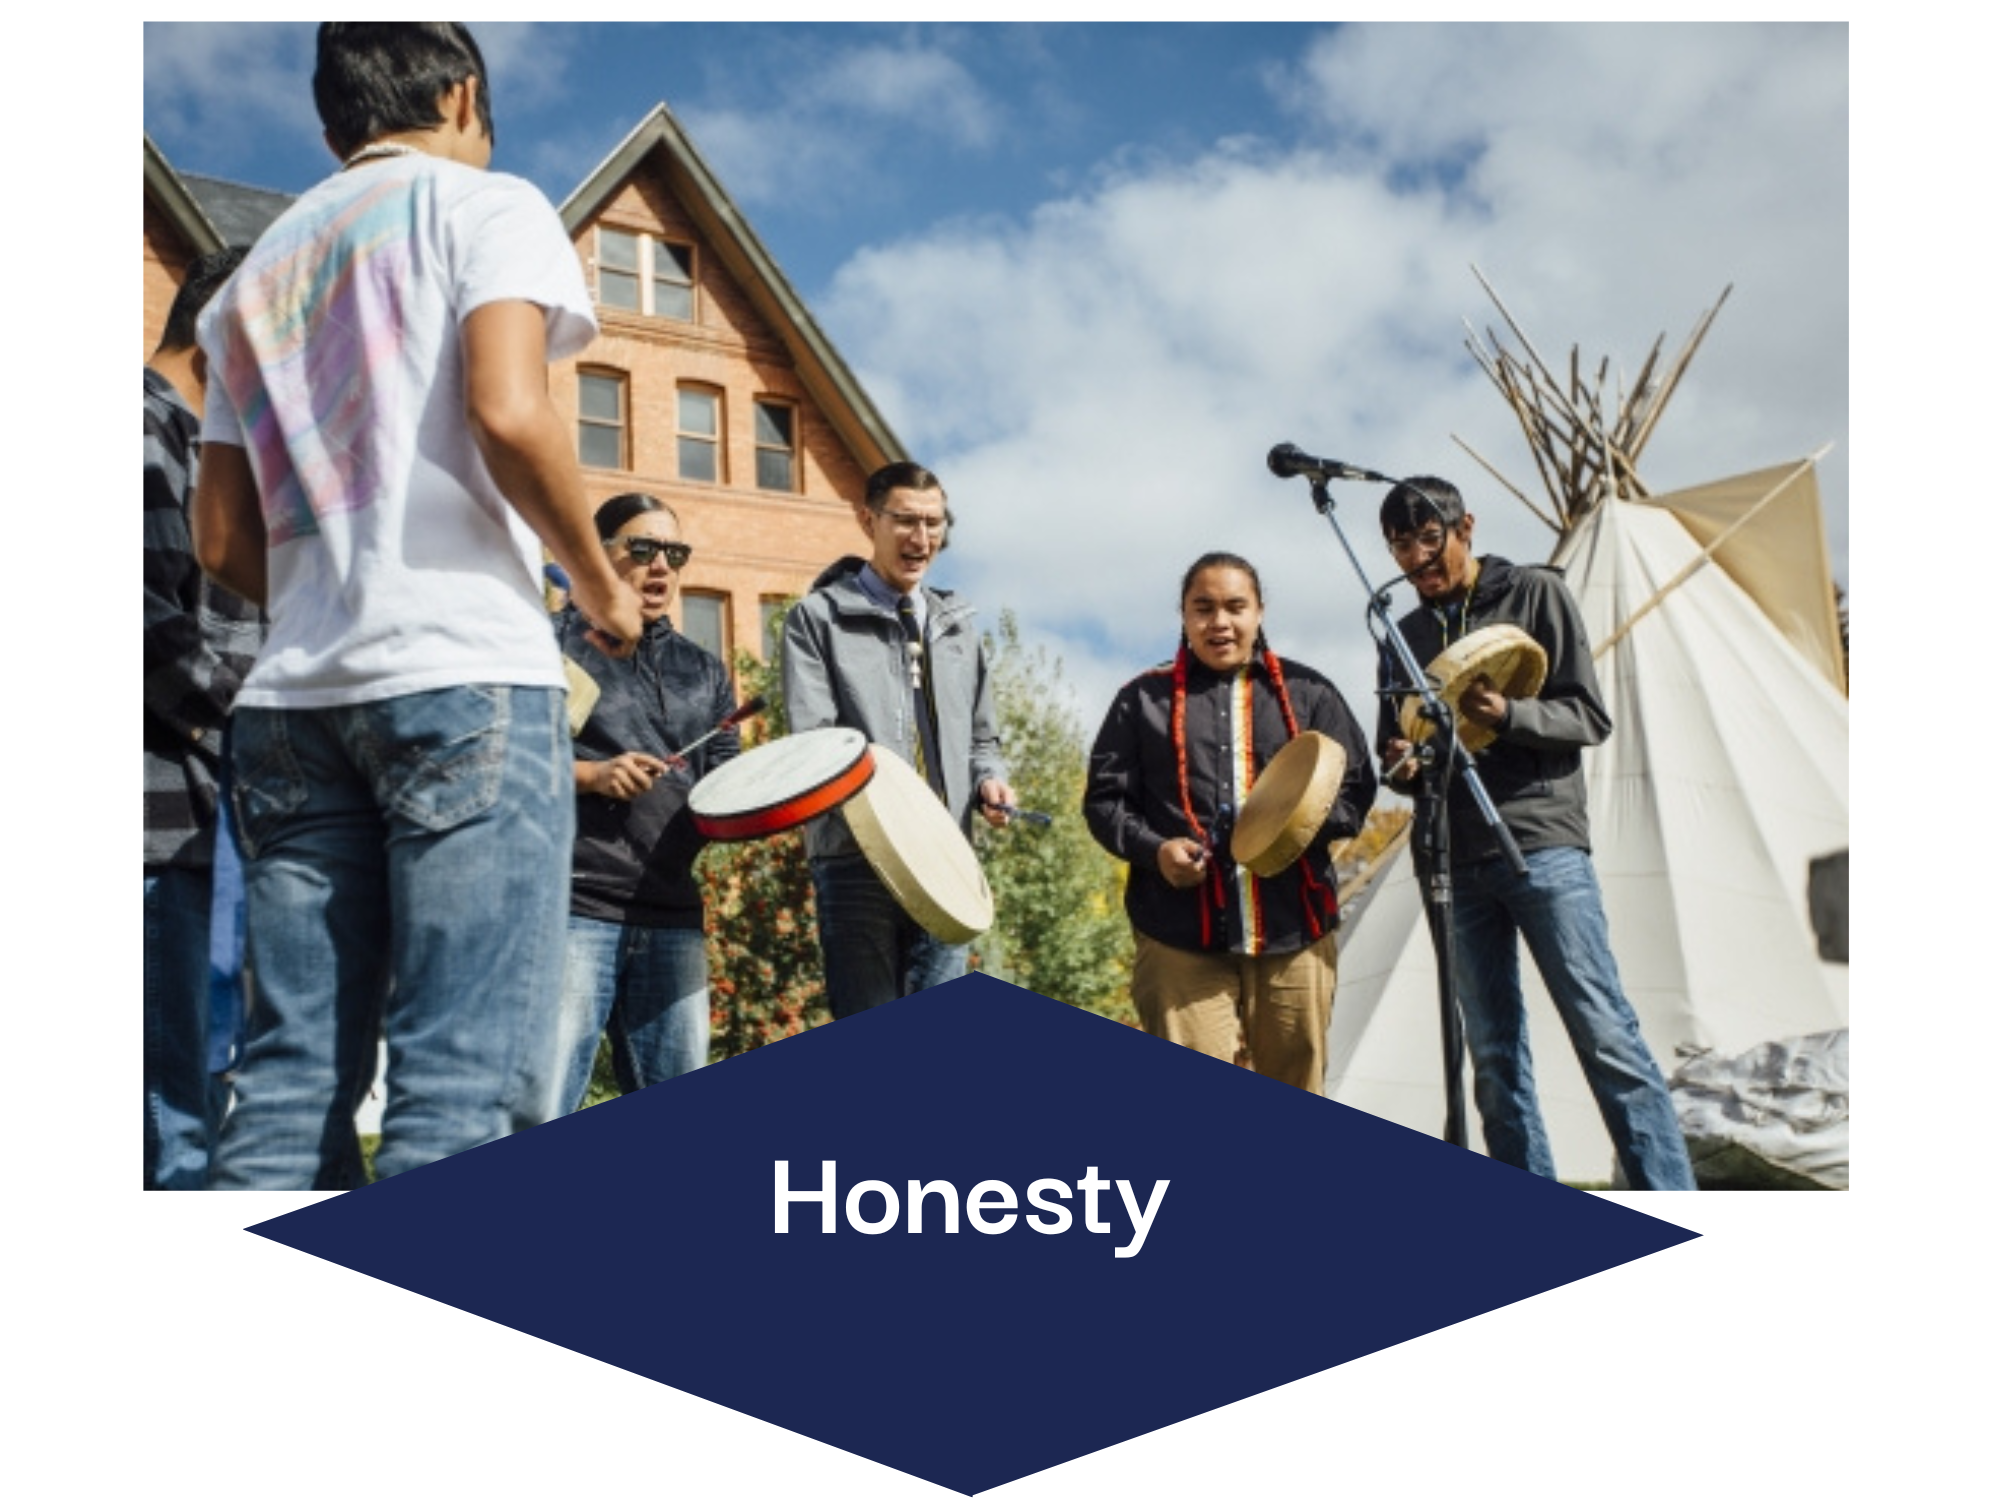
{"points": [[1099, 383], [267, 67], [834, 107], [225, 82], [528, 62]]}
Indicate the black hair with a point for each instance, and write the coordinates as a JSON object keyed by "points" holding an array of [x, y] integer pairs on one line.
{"points": [[1418, 500], [1227, 560], [1221, 560], [377, 78], [899, 476], [614, 514], [205, 276]]}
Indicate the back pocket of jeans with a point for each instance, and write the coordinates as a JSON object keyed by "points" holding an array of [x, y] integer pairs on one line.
{"points": [[266, 784], [446, 752]]}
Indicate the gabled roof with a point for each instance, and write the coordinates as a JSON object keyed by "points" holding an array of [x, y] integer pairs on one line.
{"points": [[178, 203], [824, 373], [240, 213]]}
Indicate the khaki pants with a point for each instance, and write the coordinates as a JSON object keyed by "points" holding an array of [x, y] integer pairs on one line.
{"points": [[1269, 1012]]}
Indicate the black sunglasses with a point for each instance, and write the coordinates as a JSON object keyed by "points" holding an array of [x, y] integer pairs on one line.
{"points": [[643, 549]]}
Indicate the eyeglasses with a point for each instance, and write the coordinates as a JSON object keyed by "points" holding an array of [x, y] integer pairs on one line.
{"points": [[903, 521], [1428, 540], [643, 549]]}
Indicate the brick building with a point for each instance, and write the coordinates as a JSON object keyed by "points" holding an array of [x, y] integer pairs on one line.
{"points": [[709, 384]]}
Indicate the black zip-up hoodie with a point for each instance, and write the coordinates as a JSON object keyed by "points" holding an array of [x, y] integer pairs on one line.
{"points": [[634, 861], [1534, 770]]}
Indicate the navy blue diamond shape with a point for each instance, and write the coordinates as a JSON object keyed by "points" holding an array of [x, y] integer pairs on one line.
{"points": [[972, 1359]]}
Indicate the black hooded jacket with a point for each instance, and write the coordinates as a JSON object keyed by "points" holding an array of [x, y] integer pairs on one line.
{"points": [[1534, 770], [634, 861]]}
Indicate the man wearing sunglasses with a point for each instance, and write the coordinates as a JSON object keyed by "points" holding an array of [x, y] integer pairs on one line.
{"points": [[636, 968], [873, 648], [1534, 773]]}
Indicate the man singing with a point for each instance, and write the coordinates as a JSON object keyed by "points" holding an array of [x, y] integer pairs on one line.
{"points": [[1534, 774]]}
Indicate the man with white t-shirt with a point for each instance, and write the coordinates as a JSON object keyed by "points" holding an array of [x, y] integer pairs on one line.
{"points": [[381, 464]]}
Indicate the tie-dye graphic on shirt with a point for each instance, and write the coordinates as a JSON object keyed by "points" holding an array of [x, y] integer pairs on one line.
{"points": [[315, 364]]}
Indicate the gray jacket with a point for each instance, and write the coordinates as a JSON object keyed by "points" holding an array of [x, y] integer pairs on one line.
{"points": [[845, 663]]}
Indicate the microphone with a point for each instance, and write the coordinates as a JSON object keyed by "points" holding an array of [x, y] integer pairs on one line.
{"points": [[1287, 462]]}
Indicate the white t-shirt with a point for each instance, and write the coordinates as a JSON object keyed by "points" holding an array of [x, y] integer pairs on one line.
{"points": [[396, 566]]}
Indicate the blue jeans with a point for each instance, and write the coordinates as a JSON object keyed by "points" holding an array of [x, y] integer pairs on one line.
{"points": [[1557, 909], [180, 1114], [226, 979], [649, 987], [874, 951], [406, 865]]}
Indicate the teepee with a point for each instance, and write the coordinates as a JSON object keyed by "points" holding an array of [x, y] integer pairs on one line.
{"points": [[1717, 643]]}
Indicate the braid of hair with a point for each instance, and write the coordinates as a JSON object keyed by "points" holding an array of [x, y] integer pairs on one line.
{"points": [[1284, 697], [1309, 886], [1181, 766]]}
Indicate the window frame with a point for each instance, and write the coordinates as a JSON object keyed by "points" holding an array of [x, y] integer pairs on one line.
{"points": [[721, 600], [648, 257], [793, 466], [621, 381], [714, 440]]}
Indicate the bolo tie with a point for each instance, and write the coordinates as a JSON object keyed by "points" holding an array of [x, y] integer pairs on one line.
{"points": [[922, 700]]}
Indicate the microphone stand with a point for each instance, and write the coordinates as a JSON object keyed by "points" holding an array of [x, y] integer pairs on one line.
{"points": [[1432, 839]]}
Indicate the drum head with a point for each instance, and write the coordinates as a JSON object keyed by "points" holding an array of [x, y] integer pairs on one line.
{"points": [[781, 784], [1507, 655], [918, 851], [1288, 803]]}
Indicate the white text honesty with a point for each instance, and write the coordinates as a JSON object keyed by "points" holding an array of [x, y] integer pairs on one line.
{"points": [[990, 1207]]}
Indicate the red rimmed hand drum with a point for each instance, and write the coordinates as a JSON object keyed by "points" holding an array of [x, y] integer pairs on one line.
{"points": [[1505, 655], [781, 784], [919, 852], [1288, 804]]}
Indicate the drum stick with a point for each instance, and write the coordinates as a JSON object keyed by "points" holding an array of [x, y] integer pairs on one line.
{"points": [[1039, 819], [729, 721]]}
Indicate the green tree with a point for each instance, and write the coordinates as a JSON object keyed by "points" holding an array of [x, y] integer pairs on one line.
{"points": [[1060, 927]]}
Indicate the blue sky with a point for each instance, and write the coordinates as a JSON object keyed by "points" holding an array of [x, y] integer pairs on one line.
{"points": [[1091, 273]]}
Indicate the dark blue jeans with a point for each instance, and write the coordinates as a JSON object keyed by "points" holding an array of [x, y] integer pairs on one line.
{"points": [[180, 1114], [406, 864], [874, 951], [1557, 910]]}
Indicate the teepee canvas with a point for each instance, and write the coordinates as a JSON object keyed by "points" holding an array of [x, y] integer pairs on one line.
{"points": [[1718, 649]]}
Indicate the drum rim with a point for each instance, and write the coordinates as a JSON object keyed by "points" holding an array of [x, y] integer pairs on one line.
{"points": [[799, 807], [958, 929], [1285, 832]]}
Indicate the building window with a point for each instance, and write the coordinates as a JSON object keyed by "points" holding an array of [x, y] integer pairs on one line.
{"points": [[673, 281], [705, 621], [618, 269], [770, 622], [642, 274], [699, 413], [600, 421], [777, 426]]}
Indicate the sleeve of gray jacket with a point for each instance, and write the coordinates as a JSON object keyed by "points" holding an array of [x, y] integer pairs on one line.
{"points": [[1570, 711], [809, 697], [987, 761]]}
